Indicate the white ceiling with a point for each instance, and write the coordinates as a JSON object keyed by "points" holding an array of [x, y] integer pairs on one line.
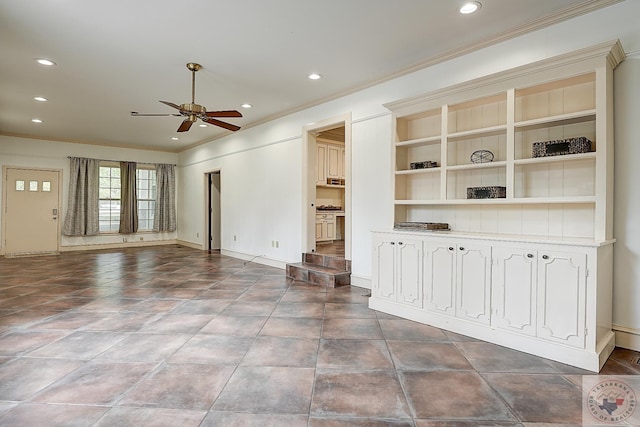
{"points": [[118, 56]]}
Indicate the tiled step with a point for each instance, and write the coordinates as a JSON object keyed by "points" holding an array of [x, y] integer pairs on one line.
{"points": [[321, 270]]}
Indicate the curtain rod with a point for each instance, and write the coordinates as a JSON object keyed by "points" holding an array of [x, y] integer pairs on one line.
{"points": [[118, 161]]}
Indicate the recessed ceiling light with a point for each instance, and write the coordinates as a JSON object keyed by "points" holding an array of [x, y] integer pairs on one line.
{"points": [[315, 76], [44, 61], [202, 125], [469, 7], [36, 120], [40, 98], [174, 138], [246, 105]]}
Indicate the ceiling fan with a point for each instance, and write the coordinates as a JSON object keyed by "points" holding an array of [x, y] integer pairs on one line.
{"points": [[194, 111]]}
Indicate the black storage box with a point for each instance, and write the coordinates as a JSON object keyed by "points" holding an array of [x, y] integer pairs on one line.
{"points": [[561, 147], [491, 192]]}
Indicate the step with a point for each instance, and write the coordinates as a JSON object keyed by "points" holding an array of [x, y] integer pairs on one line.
{"points": [[335, 262], [318, 274]]}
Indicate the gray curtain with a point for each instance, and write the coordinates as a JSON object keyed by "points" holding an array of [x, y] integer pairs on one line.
{"points": [[165, 215], [82, 218], [128, 198]]}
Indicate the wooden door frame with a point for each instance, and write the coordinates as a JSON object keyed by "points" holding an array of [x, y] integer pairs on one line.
{"points": [[309, 177], [3, 214]]}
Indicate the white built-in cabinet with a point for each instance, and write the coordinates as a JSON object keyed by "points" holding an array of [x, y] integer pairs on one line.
{"points": [[530, 269]]}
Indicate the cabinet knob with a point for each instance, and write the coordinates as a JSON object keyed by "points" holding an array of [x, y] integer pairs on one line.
{"points": [[529, 255], [545, 256], [450, 248], [399, 243], [461, 248], [393, 243]]}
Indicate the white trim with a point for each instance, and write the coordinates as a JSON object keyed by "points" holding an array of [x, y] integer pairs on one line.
{"points": [[191, 245], [132, 244], [258, 259], [360, 281], [626, 337]]}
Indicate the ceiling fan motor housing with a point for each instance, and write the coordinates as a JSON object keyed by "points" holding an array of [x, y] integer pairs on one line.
{"points": [[192, 109]]}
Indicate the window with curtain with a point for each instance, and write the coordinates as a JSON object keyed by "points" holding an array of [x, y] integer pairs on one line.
{"points": [[111, 196]]}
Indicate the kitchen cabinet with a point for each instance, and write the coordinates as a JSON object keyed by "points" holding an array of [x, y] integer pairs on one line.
{"points": [[398, 263], [331, 166], [325, 227]]}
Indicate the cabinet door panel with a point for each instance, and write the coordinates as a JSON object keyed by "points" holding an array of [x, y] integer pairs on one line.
{"points": [[561, 297], [515, 290], [333, 161], [473, 283], [319, 234], [439, 277], [409, 261], [384, 268], [322, 164], [331, 229]]}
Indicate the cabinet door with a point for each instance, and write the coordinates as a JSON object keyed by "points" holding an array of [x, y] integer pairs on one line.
{"points": [[562, 282], [473, 283], [322, 164], [384, 268], [514, 290], [330, 225], [439, 277], [341, 163], [319, 230], [409, 271], [333, 161]]}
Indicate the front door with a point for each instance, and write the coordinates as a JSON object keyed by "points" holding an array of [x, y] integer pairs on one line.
{"points": [[31, 211]]}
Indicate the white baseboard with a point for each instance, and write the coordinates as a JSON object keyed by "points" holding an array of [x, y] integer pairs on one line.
{"points": [[628, 338], [259, 259], [190, 244], [361, 281], [123, 245]]}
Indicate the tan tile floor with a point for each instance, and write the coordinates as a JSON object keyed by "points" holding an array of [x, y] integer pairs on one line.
{"points": [[171, 336]]}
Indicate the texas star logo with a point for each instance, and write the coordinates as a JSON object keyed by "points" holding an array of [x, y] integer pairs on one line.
{"points": [[611, 401]]}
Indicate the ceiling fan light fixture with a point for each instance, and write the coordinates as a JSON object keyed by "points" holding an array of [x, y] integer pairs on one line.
{"points": [[470, 7], [45, 62]]}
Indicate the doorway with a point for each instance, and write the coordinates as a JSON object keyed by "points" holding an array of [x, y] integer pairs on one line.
{"points": [[214, 220], [326, 196], [32, 206]]}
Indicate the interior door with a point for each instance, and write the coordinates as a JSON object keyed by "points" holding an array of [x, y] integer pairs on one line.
{"points": [[31, 211]]}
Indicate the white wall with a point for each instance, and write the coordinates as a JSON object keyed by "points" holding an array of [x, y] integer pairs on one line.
{"points": [[53, 155], [261, 194]]}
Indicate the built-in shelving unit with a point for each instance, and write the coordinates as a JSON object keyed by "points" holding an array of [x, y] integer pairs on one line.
{"points": [[519, 164]]}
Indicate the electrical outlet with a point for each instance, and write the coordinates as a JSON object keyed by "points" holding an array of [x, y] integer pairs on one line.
{"points": [[141, 239], [277, 244], [234, 238], [197, 234]]}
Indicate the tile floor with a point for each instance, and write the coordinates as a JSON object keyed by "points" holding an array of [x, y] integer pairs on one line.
{"points": [[171, 336]]}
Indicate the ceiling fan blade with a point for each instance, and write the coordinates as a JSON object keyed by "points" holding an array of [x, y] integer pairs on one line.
{"points": [[186, 124], [220, 123], [171, 104], [227, 113], [136, 114]]}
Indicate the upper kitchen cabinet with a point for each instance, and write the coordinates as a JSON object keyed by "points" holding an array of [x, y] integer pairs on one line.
{"points": [[330, 158]]}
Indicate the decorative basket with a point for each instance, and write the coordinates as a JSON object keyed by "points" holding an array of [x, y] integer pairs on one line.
{"points": [[423, 165], [561, 147], [491, 192]]}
